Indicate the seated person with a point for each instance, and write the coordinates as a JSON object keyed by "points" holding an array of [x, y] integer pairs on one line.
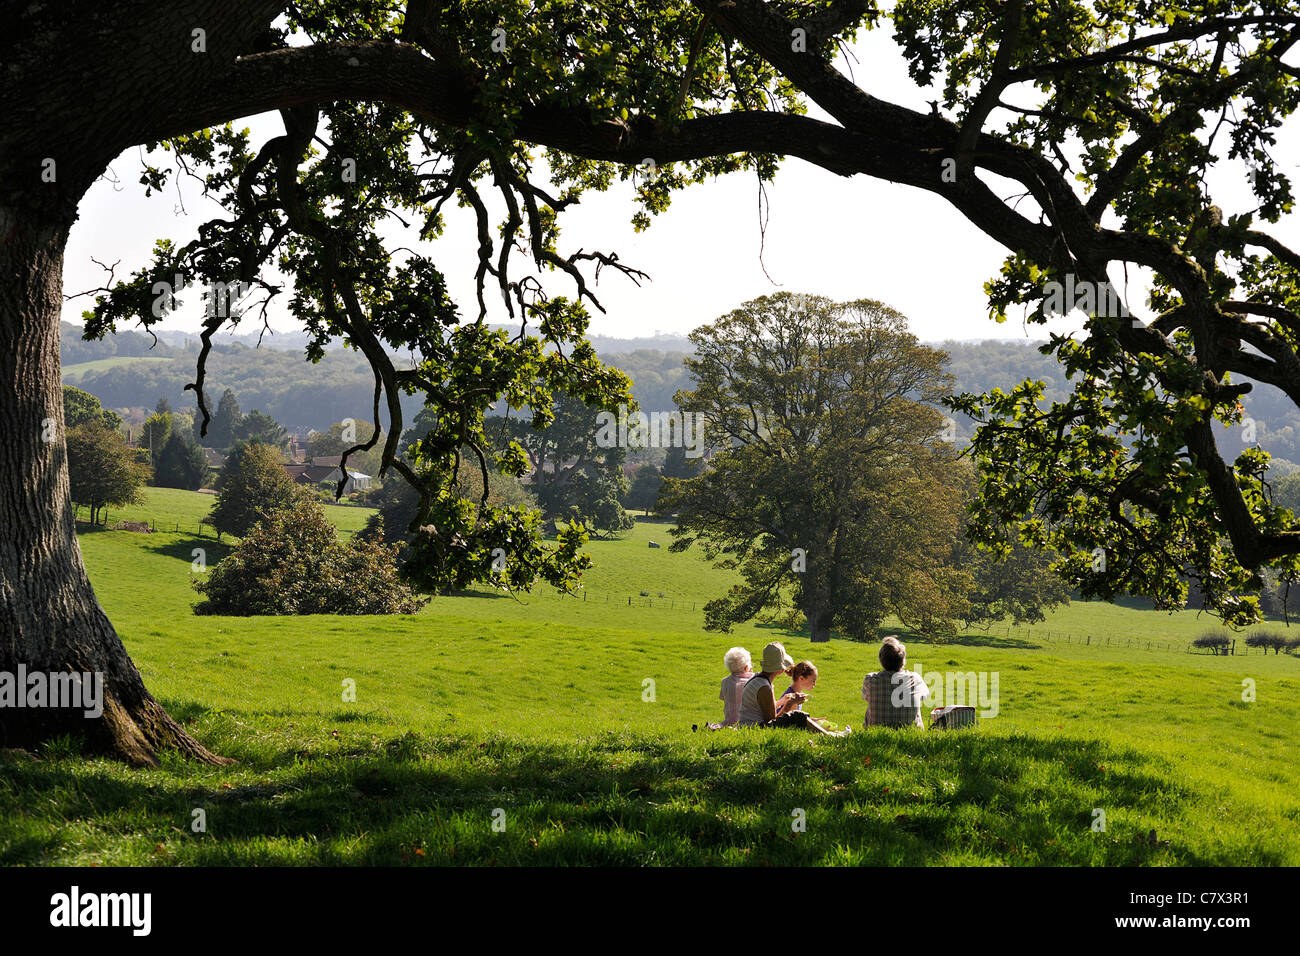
{"points": [[758, 706], [803, 678], [739, 664], [894, 695]]}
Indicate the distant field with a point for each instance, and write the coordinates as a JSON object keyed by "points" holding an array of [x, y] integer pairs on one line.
{"points": [[72, 374], [174, 510], [540, 708]]}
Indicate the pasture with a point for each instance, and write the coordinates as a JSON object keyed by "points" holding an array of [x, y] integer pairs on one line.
{"points": [[547, 729]]}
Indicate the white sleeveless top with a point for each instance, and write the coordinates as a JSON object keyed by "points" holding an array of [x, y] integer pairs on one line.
{"points": [[750, 712]]}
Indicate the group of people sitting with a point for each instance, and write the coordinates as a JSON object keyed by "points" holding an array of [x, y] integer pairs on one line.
{"points": [[893, 695]]}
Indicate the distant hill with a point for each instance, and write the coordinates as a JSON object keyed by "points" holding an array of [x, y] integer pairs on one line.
{"points": [[128, 370]]}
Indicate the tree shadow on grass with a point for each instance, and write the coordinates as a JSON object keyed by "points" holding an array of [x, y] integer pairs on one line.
{"points": [[880, 797], [483, 595], [981, 640], [908, 636], [183, 549]]}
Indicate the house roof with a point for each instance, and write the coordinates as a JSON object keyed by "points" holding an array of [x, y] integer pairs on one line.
{"points": [[316, 473]]}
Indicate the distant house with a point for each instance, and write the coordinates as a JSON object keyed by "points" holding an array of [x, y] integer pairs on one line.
{"points": [[215, 458], [315, 474], [330, 461], [356, 481]]}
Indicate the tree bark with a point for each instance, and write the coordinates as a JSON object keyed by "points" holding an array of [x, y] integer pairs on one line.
{"points": [[819, 624], [50, 620]]}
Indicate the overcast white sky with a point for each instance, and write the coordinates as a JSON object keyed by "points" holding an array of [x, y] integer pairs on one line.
{"points": [[842, 238]]}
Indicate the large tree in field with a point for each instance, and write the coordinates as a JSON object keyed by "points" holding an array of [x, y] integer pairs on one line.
{"points": [[833, 489], [102, 469], [1098, 121]]}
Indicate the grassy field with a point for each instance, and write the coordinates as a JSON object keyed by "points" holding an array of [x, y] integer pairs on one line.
{"points": [[567, 724], [72, 374], [180, 512]]}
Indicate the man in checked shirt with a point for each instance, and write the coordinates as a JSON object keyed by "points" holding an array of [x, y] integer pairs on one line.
{"points": [[894, 695]]}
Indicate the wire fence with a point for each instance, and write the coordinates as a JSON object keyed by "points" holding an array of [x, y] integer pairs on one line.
{"points": [[200, 528], [1236, 647]]}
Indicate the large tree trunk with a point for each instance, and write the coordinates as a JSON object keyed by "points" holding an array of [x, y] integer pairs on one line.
{"points": [[819, 624], [50, 620]]}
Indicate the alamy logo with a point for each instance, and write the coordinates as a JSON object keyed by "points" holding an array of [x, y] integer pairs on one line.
{"points": [[656, 430], [963, 689], [74, 908], [223, 298], [63, 689]]}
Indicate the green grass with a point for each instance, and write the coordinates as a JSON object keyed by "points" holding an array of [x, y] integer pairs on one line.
{"points": [[537, 708], [72, 374], [179, 512]]}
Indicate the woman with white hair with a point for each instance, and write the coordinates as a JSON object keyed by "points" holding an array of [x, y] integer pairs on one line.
{"points": [[758, 706]]}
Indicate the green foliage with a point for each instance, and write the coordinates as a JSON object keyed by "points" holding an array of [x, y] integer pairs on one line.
{"points": [[397, 502], [252, 484], [181, 463], [573, 476], [830, 491], [101, 468], [1286, 492], [155, 432], [223, 430], [677, 464], [1011, 579], [643, 495], [291, 562], [82, 408], [258, 427]]}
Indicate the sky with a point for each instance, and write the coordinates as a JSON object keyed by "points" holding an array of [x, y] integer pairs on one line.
{"points": [[826, 235]]}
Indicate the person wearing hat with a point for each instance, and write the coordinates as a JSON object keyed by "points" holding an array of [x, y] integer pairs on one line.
{"points": [[758, 706]]}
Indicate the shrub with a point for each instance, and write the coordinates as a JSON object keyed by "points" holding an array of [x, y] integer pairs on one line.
{"points": [[292, 562], [252, 484], [1214, 640], [1267, 639]]}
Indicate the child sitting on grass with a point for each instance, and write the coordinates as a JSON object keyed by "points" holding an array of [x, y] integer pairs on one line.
{"points": [[741, 670], [803, 678]]}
